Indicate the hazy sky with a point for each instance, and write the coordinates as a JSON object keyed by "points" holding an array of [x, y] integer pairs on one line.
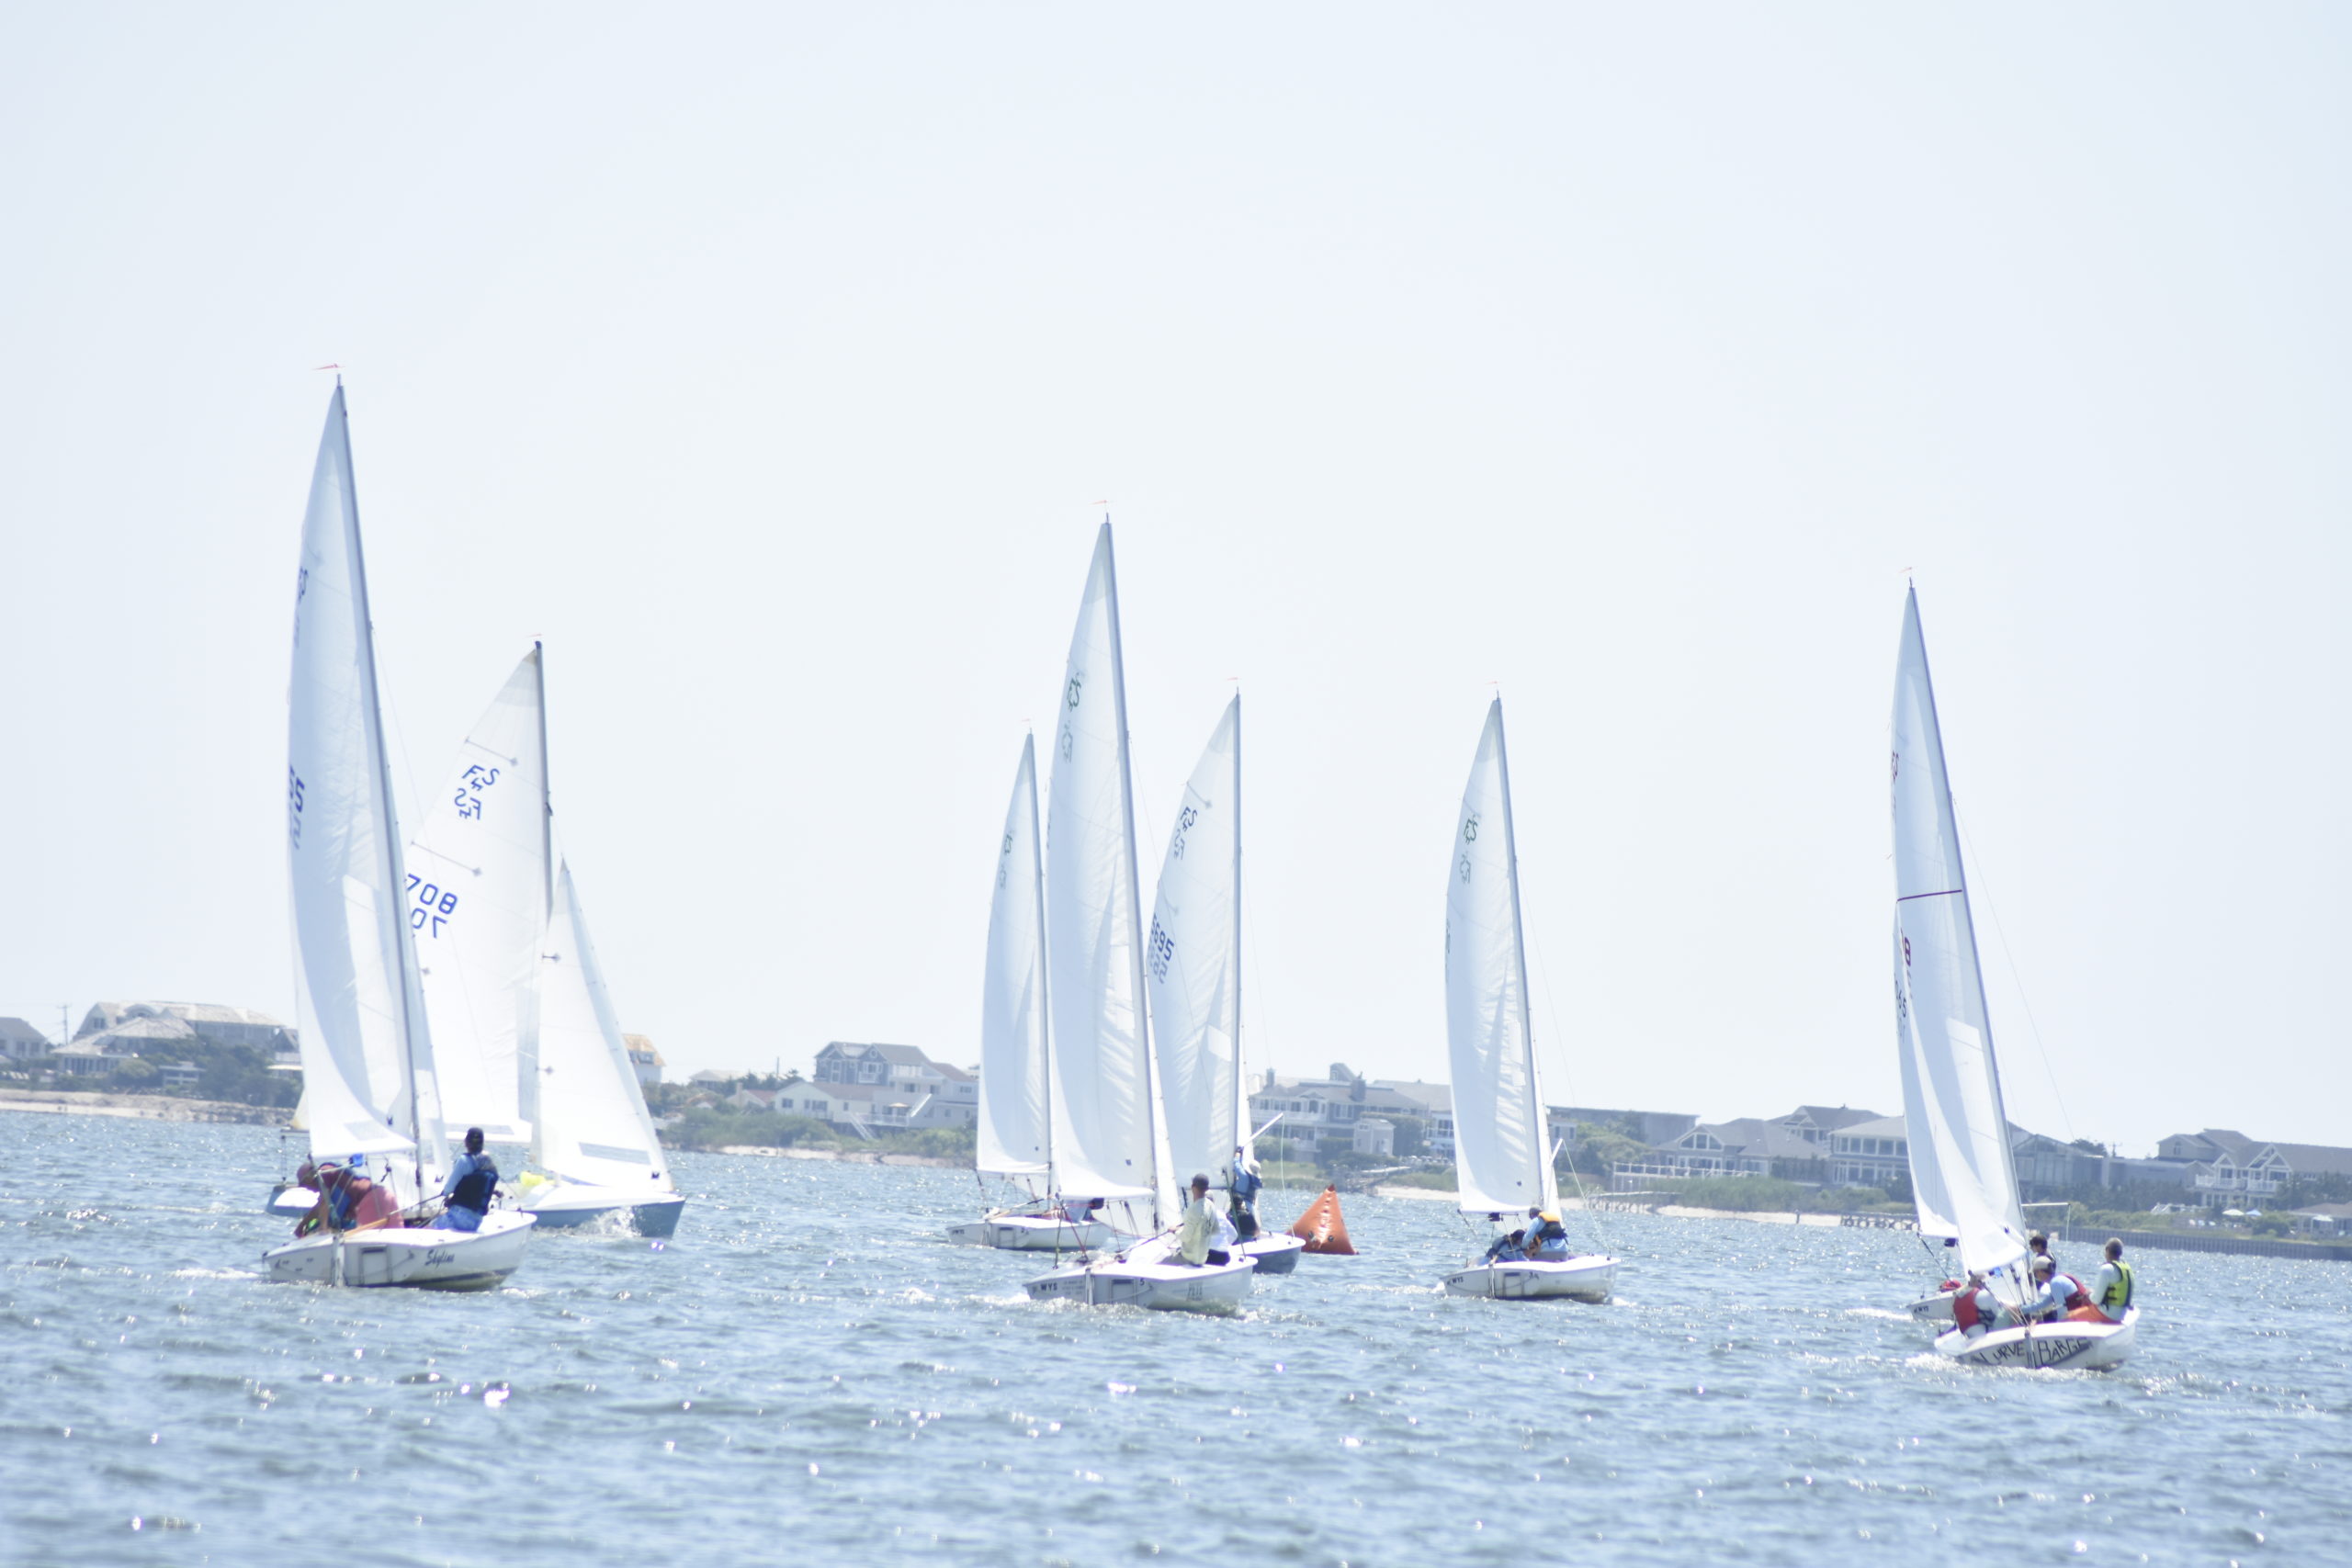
{"points": [[776, 365]]}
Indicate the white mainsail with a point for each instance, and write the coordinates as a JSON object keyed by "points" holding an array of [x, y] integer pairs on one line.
{"points": [[1502, 1155], [483, 872], [1014, 1094], [1108, 1140], [592, 1126], [1194, 961], [1963, 1180], [366, 1052]]}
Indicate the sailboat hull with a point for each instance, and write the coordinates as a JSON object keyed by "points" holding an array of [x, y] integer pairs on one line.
{"points": [[1274, 1254], [2074, 1346], [568, 1205], [1936, 1308], [1147, 1278], [1032, 1233], [414, 1259], [1574, 1279]]}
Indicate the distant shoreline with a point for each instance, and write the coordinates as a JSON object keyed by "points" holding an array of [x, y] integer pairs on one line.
{"points": [[142, 1106], [853, 1157]]}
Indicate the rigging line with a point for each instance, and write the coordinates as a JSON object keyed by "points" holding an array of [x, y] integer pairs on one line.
{"points": [[2032, 1024]]}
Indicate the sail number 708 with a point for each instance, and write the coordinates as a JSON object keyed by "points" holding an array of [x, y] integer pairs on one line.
{"points": [[433, 905]]}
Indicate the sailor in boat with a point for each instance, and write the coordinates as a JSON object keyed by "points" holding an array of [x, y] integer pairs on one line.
{"points": [[2110, 1290], [1244, 1182], [1079, 1210], [1507, 1248], [2055, 1295], [473, 1177], [1546, 1240], [1206, 1237], [1974, 1310], [347, 1199]]}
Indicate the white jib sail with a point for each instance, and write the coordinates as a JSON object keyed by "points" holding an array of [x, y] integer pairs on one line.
{"points": [[593, 1124], [1107, 1137], [1193, 962], [1963, 1176], [1502, 1158], [1014, 1092], [480, 875], [367, 1058]]}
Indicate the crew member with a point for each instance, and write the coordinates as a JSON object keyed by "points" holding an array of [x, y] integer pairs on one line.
{"points": [[473, 1177], [1243, 1181], [1507, 1248], [1207, 1233], [1546, 1240], [1974, 1310], [2055, 1294], [2110, 1289]]}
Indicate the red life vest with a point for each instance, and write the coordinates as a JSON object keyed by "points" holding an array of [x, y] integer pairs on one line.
{"points": [[2075, 1295], [1964, 1314]]}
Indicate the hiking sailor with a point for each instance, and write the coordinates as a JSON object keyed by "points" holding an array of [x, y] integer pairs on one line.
{"points": [[473, 1177]]}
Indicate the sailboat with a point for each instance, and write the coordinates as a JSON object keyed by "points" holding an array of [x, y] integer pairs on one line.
{"points": [[1963, 1175], [1502, 1146], [1110, 1138], [525, 1030], [1015, 1134], [1193, 960], [369, 1089]]}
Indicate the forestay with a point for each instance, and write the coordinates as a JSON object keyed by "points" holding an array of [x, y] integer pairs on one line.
{"points": [[1963, 1177], [1502, 1158], [1192, 962], [1107, 1139], [481, 874], [1014, 1092], [367, 1058], [592, 1125]]}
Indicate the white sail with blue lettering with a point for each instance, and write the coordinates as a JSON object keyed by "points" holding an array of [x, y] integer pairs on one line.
{"points": [[481, 872], [1108, 1138], [1963, 1178], [1193, 962], [366, 1053], [1502, 1155], [1014, 1094]]}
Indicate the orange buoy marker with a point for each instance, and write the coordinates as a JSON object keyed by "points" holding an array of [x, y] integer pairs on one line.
{"points": [[1322, 1227]]}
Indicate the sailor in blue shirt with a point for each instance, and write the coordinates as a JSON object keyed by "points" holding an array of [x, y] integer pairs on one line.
{"points": [[473, 1177]]}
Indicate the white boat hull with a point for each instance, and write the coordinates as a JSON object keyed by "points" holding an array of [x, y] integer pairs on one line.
{"points": [[1574, 1279], [418, 1259], [1149, 1276], [568, 1205], [1936, 1308], [1033, 1233], [1274, 1254], [2079, 1347]]}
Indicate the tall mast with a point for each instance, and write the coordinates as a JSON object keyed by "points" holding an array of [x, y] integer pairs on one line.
{"points": [[403, 937], [526, 1054], [1541, 1132], [1044, 973], [1134, 882], [1241, 1076], [1960, 869]]}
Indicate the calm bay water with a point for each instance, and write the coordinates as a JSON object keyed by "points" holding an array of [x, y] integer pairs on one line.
{"points": [[804, 1374]]}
